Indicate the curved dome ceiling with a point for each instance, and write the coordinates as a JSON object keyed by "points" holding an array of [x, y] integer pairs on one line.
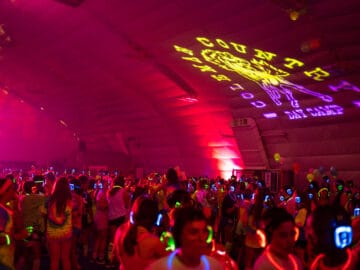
{"points": [[210, 86]]}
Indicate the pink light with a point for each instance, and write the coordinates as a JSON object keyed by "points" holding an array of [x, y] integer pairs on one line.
{"points": [[262, 237], [218, 144], [258, 104], [189, 99], [63, 123], [223, 153], [270, 115], [226, 166], [22, 138], [297, 233]]}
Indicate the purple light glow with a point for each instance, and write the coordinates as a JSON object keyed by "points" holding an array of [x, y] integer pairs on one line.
{"points": [[258, 104], [344, 85], [356, 103], [318, 111], [270, 115], [247, 95]]}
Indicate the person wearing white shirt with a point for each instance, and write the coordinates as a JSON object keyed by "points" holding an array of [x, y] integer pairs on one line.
{"points": [[190, 233]]}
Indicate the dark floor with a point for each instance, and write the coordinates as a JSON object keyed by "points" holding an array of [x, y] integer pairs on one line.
{"points": [[85, 264]]}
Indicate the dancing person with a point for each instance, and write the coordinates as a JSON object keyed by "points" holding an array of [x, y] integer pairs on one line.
{"points": [[118, 206], [190, 233], [280, 233], [135, 247], [59, 225], [100, 223], [330, 234]]}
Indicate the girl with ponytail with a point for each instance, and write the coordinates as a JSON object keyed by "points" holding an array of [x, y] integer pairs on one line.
{"points": [[135, 246]]}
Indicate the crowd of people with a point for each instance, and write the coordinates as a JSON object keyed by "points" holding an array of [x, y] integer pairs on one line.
{"points": [[162, 222]]}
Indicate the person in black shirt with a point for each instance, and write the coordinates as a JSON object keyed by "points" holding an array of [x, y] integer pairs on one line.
{"points": [[229, 211]]}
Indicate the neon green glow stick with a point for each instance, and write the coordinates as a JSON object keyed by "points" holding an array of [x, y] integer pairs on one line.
{"points": [[211, 234], [167, 238]]}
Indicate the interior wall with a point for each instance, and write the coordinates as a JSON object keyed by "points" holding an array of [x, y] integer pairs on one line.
{"points": [[28, 134]]}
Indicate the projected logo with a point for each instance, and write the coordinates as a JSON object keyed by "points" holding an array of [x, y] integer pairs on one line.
{"points": [[224, 59]]}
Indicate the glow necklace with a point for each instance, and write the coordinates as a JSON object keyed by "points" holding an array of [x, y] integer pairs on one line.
{"points": [[276, 265], [315, 263], [171, 257]]}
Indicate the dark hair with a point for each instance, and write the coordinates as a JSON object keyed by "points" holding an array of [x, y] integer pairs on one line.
{"points": [[203, 183], [233, 184], [179, 195], [118, 181], [340, 185], [84, 182], [50, 177], [83, 179], [183, 216], [27, 186], [138, 191], [247, 194], [39, 178], [273, 218], [324, 221], [2, 181], [257, 209], [77, 185], [242, 186], [10, 176], [144, 213], [305, 201], [314, 185], [91, 183], [171, 176], [60, 195]]}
